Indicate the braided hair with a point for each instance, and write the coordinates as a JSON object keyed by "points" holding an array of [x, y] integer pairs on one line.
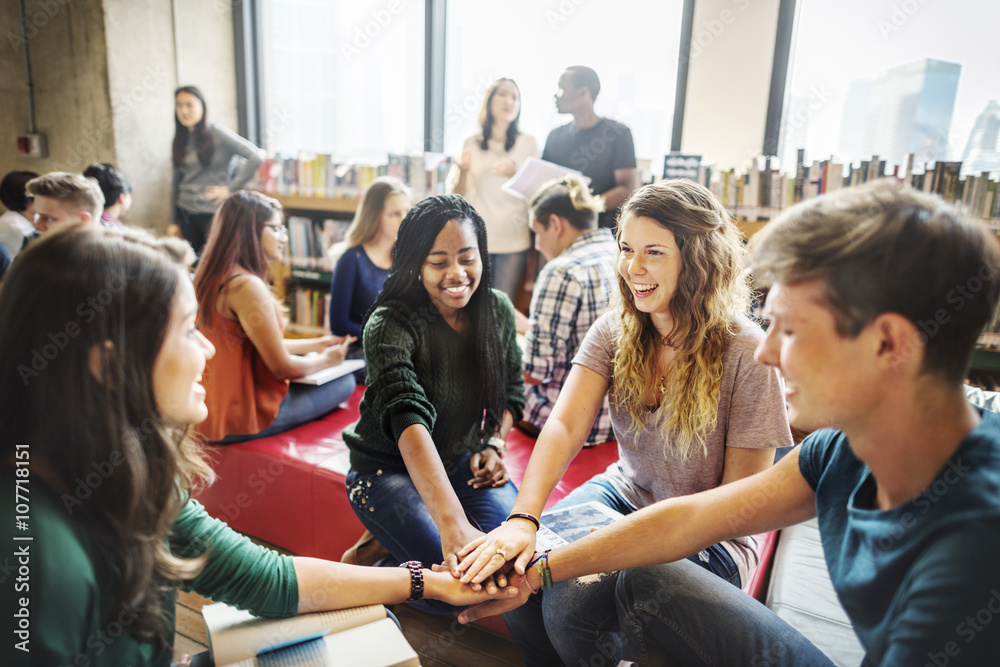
{"points": [[417, 233]]}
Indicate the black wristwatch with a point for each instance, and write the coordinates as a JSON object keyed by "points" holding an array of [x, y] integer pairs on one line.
{"points": [[416, 569]]}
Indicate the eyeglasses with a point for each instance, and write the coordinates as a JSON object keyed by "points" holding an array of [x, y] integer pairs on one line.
{"points": [[278, 229]]}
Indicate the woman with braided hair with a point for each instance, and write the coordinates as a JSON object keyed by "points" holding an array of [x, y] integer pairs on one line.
{"points": [[444, 389]]}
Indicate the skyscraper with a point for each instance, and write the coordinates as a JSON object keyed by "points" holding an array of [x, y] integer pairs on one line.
{"points": [[982, 150], [909, 111]]}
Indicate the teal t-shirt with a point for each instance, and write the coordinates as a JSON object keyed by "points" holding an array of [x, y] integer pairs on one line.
{"points": [[64, 599], [920, 582]]}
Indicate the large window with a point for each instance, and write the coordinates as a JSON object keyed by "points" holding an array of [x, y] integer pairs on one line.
{"points": [[632, 44], [347, 78], [344, 78], [895, 78]]}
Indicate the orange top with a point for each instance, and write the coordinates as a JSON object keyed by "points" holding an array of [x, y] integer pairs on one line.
{"points": [[243, 395]]}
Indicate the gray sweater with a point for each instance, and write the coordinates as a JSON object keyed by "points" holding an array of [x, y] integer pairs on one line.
{"points": [[191, 178]]}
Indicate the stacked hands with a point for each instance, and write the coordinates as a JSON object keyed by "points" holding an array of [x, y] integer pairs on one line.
{"points": [[495, 568]]}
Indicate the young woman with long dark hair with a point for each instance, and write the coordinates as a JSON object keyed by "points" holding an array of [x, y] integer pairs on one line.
{"points": [[248, 380], [204, 175], [490, 157], [97, 442], [444, 389]]}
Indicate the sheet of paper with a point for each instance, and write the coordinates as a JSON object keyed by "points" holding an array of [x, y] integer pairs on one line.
{"points": [[332, 373], [535, 173]]}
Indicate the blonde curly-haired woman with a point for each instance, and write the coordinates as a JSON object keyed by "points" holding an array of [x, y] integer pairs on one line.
{"points": [[691, 408]]}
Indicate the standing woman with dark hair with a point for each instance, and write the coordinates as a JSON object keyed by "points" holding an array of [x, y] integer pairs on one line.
{"points": [[248, 390], [203, 171], [444, 389], [490, 157]]}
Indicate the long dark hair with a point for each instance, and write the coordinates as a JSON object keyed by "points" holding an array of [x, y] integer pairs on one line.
{"points": [[204, 145], [234, 241], [486, 117], [417, 234], [79, 297]]}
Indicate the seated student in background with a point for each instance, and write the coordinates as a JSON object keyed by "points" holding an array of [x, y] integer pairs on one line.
{"points": [[489, 158], [903, 473], [117, 190], [691, 410], [113, 532], [60, 198], [364, 258], [247, 382], [444, 390], [600, 148], [571, 292], [16, 223]]}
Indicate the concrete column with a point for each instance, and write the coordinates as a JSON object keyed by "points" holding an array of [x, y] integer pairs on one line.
{"points": [[729, 75]]}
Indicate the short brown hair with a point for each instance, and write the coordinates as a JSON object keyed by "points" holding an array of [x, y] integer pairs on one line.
{"points": [[72, 189], [885, 248]]}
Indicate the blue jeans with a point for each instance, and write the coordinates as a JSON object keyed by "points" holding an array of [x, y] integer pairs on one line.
{"points": [[507, 269], [389, 506], [576, 622], [303, 403], [680, 614]]}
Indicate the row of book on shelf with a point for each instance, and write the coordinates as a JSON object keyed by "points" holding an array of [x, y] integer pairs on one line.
{"points": [[322, 175], [760, 192]]}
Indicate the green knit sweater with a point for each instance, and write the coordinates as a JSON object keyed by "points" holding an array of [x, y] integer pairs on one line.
{"points": [[421, 371], [70, 583]]}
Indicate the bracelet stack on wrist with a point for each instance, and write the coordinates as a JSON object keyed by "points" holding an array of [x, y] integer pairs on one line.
{"points": [[498, 444], [526, 517], [416, 569]]}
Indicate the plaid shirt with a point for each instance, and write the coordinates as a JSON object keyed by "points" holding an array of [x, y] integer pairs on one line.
{"points": [[571, 292]]}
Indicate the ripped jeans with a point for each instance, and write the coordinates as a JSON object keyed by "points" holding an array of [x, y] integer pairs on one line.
{"points": [[389, 506]]}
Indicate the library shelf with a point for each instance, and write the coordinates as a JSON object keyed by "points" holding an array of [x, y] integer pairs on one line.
{"points": [[318, 204]]}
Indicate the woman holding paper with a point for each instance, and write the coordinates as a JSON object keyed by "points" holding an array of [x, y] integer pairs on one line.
{"points": [[489, 158], [112, 531], [690, 407], [249, 395]]}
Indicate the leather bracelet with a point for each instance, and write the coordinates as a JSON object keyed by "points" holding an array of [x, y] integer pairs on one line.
{"points": [[526, 517], [416, 569]]}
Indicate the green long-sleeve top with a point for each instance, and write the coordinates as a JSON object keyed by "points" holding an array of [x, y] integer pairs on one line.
{"points": [[69, 582], [421, 371]]}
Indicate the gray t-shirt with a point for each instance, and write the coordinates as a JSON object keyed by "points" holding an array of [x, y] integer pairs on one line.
{"points": [[751, 415]]}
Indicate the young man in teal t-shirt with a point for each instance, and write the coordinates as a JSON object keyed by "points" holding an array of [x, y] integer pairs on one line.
{"points": [[877, 297]]}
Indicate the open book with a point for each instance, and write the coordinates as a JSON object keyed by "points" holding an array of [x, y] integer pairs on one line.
{"points": [[361, 637], [568, 524], [332, 373]]}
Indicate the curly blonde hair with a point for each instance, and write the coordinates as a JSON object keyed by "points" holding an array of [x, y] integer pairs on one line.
{"points": [[712, 289]]}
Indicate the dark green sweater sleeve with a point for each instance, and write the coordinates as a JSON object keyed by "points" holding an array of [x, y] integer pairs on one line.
{"points": [[390, 341], [512, 351], [238, 572]]}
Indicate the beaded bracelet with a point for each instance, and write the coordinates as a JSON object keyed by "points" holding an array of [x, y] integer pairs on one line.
{"points": [[544, 573], [416, 569], [526, 517]]}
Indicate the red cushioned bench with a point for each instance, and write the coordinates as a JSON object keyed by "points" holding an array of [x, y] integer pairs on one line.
{"points": [[289, 489]]}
